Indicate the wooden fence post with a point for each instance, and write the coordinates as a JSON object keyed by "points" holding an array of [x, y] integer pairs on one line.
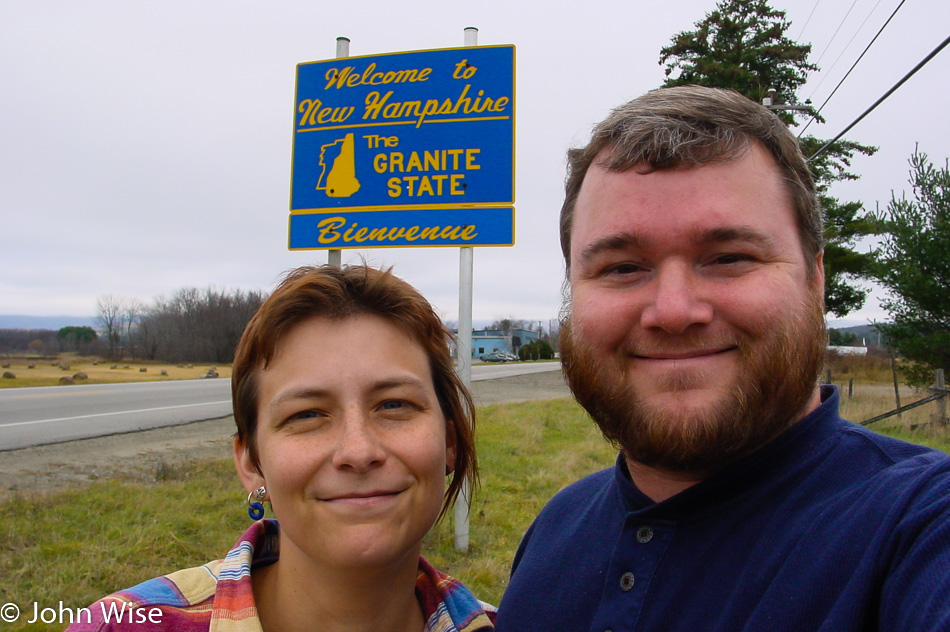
{"points": [[941, 417], [897, 390]]}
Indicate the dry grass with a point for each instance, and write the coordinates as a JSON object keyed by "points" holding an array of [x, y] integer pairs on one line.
{"points": [[867, 390], [868, 368], [48, 372], [870, 400]]}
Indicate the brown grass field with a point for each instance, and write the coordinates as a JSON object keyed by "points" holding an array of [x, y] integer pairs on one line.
{"points": [[870, 382], [48, 371]]}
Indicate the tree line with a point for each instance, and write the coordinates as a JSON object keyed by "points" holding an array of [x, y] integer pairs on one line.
{"points": [[48, 342], [194, 325]]}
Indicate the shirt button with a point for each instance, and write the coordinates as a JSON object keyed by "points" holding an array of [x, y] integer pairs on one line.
{"points": [[644, 535], [626, 581]]}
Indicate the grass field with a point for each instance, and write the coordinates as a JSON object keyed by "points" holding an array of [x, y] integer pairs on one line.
{"points": [[49, 372], [44, 371], [76, 546]]}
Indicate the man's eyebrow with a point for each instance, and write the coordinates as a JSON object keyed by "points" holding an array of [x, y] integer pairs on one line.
{"points": [[627, 240], [617, 241], [736, 233]]}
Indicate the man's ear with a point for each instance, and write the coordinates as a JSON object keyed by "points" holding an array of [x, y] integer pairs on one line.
{"points": [[820, 270], [247, 470]]}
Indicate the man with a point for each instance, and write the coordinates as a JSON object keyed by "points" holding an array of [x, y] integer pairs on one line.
{"points": [[694, 336]]}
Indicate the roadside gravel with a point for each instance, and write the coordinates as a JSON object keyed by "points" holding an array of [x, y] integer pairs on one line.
{"points": [[143, 456]]}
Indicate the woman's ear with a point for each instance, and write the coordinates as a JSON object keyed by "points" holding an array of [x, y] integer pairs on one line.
{"points": [[247, 469]]}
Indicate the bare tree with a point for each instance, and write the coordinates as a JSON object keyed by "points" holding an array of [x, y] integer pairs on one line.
{"points": [[196, 325], [131, 309], [109, 315]]}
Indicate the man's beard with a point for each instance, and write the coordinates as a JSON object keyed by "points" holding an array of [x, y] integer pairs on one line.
{"points": [[777, 375]]}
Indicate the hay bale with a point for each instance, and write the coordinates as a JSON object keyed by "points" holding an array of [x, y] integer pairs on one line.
{"points": [[64, 367], [114, 366], [6, 365], [80, 376], [66, 380], [164, 372], [8, 375], [142, 369], [31, 365]]}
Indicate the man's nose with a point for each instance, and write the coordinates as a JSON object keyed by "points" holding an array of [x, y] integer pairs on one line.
{"points": [[677, 301], [358, 446]]}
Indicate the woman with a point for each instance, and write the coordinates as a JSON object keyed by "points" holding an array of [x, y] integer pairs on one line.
{"points": [[349, 417]]}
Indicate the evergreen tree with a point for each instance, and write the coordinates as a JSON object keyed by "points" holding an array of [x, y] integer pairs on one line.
{"points": [[76, 338], [912, 265], [741, 45]]}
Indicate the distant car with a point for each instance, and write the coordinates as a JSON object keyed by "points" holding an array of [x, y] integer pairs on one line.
{"points": [[511, 357], [495, 356]]}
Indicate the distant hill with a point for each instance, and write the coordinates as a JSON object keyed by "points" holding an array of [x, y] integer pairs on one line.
{"points": [[45, 322], [868, 333]]}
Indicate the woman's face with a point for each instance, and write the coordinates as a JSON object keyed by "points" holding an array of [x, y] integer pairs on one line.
{"points": [[352, 442]]}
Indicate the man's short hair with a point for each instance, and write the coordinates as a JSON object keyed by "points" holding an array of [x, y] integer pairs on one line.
{"points": [[693, 126], [337, 294]]}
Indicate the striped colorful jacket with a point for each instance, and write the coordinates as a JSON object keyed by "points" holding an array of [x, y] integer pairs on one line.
{"points": [[218, 597]]}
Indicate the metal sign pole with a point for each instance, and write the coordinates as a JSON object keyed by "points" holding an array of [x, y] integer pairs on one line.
{"points": [[335, 256], [466, 267]]}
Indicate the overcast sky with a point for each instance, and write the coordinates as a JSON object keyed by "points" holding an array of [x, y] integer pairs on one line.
{"points": [[146, 146]]}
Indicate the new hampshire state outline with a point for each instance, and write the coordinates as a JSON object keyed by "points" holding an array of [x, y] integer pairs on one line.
{"points": [[340, 180]]}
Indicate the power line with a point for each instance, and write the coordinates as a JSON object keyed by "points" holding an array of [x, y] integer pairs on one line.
{"points": [[866, 48], [817, 2], [828, 45], [897, 85], [827, 72]]}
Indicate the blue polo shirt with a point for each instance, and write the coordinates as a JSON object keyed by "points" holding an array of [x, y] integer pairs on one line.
{"points": [[830, 527]]}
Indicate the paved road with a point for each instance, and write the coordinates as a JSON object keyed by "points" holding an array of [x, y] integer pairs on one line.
{"points": [[34, 416]]}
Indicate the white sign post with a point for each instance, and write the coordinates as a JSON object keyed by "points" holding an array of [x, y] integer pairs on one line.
{"points": [[466, 286]]}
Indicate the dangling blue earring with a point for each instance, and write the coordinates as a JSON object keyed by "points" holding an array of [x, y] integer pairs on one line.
{"points": [[254, 507]]}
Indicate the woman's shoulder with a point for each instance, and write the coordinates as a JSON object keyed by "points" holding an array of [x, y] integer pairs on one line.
{"points": [[448, 604], [182, 600]]}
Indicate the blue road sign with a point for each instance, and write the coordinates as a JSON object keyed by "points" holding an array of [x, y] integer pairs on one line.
{"points": [[428, 129], [487, 226]]}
